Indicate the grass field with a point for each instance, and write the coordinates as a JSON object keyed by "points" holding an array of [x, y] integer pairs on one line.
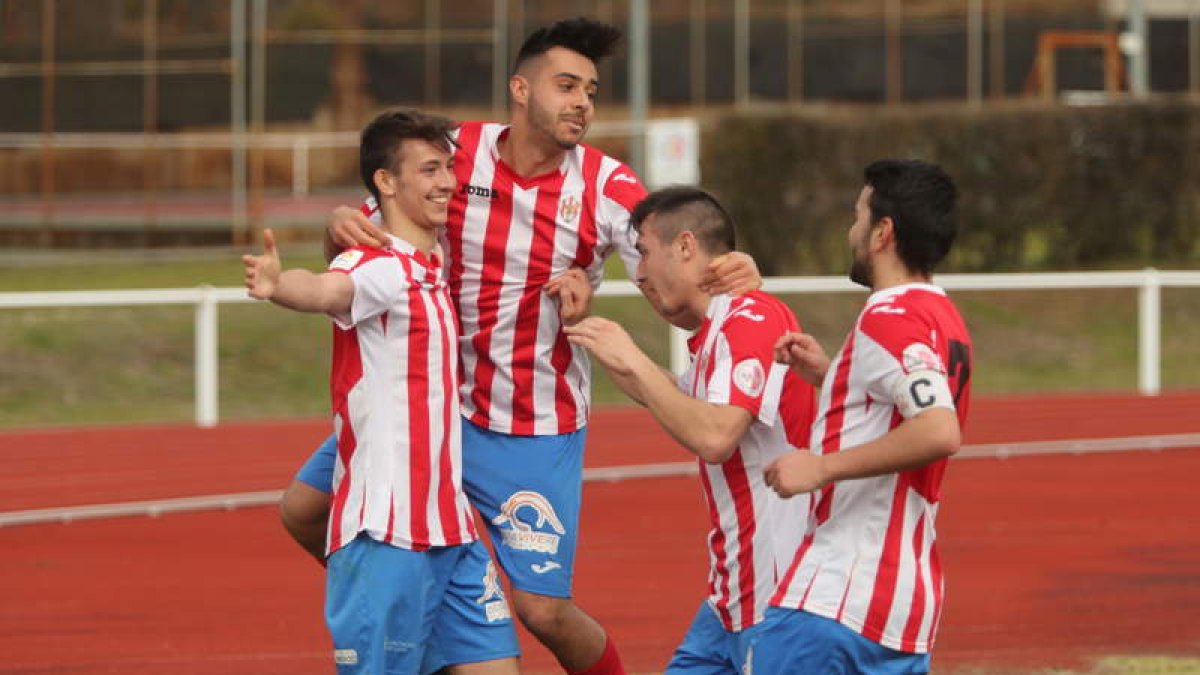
{"points": [[135, 364]]}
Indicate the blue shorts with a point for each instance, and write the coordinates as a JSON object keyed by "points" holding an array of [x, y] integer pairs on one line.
{"points": [[795, 641], [393, 610], [318, 470], [528, 490], [710, 649]]}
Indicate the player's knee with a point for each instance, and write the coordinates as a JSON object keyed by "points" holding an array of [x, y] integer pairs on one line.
{"points": [[541, 614]]}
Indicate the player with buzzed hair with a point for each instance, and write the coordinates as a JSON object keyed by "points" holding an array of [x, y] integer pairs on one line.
{"points": [[535, 215], [734, 408]]}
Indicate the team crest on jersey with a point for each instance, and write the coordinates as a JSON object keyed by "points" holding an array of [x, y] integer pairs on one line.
{"points": [[494, 605], [346, 260], [919, 356], [749, 378], [527, 535], [569, 208]]}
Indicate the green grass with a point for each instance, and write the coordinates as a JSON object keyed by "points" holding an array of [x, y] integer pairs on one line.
{"points": [[1109, 665], [134, 364]]}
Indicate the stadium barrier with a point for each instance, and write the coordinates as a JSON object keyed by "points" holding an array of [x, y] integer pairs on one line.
{"points": [[1149, 283]]}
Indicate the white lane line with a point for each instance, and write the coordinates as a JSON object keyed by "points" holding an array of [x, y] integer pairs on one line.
{"points": [[157, 507]]}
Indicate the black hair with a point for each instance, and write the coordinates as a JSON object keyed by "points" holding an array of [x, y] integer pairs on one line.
{"points": [[921, 200], [704, 216], [593, 39], [379, 145]]}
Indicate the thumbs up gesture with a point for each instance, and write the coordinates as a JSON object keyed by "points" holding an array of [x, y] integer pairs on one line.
{"points": [[262, 271]]}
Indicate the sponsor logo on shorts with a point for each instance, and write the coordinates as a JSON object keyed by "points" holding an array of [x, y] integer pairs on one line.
{"points": [[495, 607], [548, 566], [345, 657], [497, 611], [398, 646], [520, 534]]}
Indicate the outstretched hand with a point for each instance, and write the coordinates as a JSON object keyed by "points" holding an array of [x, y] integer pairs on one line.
{"points": [[803, 353], [262, 271], [573, 292]]}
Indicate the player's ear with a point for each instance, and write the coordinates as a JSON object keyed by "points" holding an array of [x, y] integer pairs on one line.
{"points": [[518, 89], [883, 232], [687, 245], [385, 182]]}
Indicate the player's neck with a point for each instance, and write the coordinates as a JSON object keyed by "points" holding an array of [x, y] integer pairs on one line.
{"points": [[397, 223], [699, 308], [527, 154], [694, 311], [890, 272]]}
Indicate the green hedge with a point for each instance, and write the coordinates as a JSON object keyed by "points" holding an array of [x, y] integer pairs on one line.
{"points": [[1043, 187]]}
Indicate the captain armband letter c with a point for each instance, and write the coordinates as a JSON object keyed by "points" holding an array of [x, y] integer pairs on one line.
{"points": [[921, 390]]}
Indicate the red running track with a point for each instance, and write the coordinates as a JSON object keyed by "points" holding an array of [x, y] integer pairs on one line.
{"points": [[1051, 561]]}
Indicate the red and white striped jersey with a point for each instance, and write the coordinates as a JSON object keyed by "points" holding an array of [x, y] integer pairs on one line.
{"points": [[753, 532], [869, 559], [398, 474], [506, 236]]}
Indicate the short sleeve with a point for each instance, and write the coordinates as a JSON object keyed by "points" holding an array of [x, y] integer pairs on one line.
{"points": [[622, 192], [379, 281], [910, 373], [746, 374]]}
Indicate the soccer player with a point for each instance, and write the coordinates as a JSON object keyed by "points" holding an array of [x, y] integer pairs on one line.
{"points": [[864, 593], [532, 203], [735, 408], [410, 588]]}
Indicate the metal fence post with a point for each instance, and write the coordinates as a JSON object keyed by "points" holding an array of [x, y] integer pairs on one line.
{"points": [[1149, 332], [206, 357], [300, 166]]}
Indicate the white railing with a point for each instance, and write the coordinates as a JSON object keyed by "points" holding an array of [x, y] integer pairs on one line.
{"points": [[299, 143], [1150, 282]]}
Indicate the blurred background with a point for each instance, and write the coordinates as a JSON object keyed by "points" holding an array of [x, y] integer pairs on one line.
{"points": [[144, 144], [168, 122]]}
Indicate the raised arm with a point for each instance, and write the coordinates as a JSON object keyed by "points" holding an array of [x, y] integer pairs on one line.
{"points": [[708, 430], [297, 289]]}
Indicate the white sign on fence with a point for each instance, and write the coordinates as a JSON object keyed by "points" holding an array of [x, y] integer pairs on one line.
{"points": [[672, 152]]}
